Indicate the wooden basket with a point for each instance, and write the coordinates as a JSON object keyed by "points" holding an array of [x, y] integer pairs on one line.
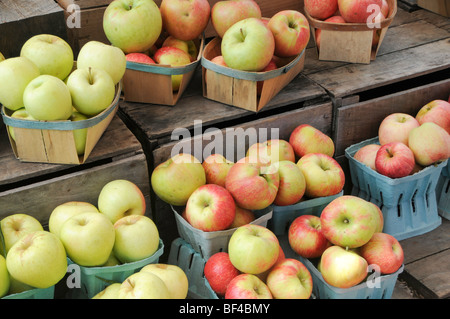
{"points": [[239, 88], [53, 141], [349, 42], [152, 83]]}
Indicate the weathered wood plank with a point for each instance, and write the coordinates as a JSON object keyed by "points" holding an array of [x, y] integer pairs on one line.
{"points": [[386, 69]]}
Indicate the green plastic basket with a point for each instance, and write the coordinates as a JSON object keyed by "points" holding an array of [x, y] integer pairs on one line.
{"points": [[95, 279], [38, 293], [184, 256], [408, 204]]}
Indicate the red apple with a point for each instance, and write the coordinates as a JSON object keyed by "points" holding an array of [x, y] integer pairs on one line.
{"points": [[247, 286], [342, 268], [321, 9], [219, 60], [216, 168], [226, 13], [307, 139], [183, 19], [357, 11], [291, 32], [219, 271], [323, 174], [252, 184], [385, 251], [242, 217], [385, 8], [437, 111], [210, 208], [292, 184], [290, 279], [394, 160], [333, 19], [367, 154], [275, 150], [139, 58], [396, 127], [430, 143], [306, 238], [349, 221]]}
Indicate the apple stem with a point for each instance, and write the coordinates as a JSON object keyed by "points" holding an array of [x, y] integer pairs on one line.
{"points": [[242, 33], [91, 81]]}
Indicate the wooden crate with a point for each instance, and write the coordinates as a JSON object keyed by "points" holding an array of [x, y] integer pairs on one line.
{"points": [[240, 88], [37, 188], [350, 42], [53, 141], [22, 19], [441, 7], [152, 83], [89, 15]]}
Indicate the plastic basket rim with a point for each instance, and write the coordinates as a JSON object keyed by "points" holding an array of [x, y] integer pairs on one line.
{"points": [[122, 267], [351, 150], [27, 293], [307, 203]]}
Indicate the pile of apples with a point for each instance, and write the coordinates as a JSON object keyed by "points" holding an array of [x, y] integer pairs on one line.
{"points": [[114, 232], [410, 143], [153, 281], [151, 35], [42, 83], [219, 194], [348, 11], [345, 240], [255, 267], [251, 42]]}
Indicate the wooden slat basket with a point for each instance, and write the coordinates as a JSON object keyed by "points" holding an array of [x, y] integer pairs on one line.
{"points": [[350, 42], [53, 141], [239, 88], [152, 83]]}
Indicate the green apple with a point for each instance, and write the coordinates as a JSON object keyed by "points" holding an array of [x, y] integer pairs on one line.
{"points": [[144, 285], [37, 259], [342, 268], [51, 54], [4, 277], [119, 198], [66, 210], [103, 56], [187, 46], [132, 25], [248, 45], [136, 238], [88, 238], [15, 74], [112, 260], [92, 90], [79, 135], [47, 98], [174, 57], [19, 114], [174, 180], [16, 226], [173, 276], [253, 249], [110, 292]]}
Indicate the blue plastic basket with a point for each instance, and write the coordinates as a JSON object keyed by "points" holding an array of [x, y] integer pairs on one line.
{"points": [[443, 193], [95, 279], [184, 256], [408, 204], [283, 216], [380, 287], [38, 293]]}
